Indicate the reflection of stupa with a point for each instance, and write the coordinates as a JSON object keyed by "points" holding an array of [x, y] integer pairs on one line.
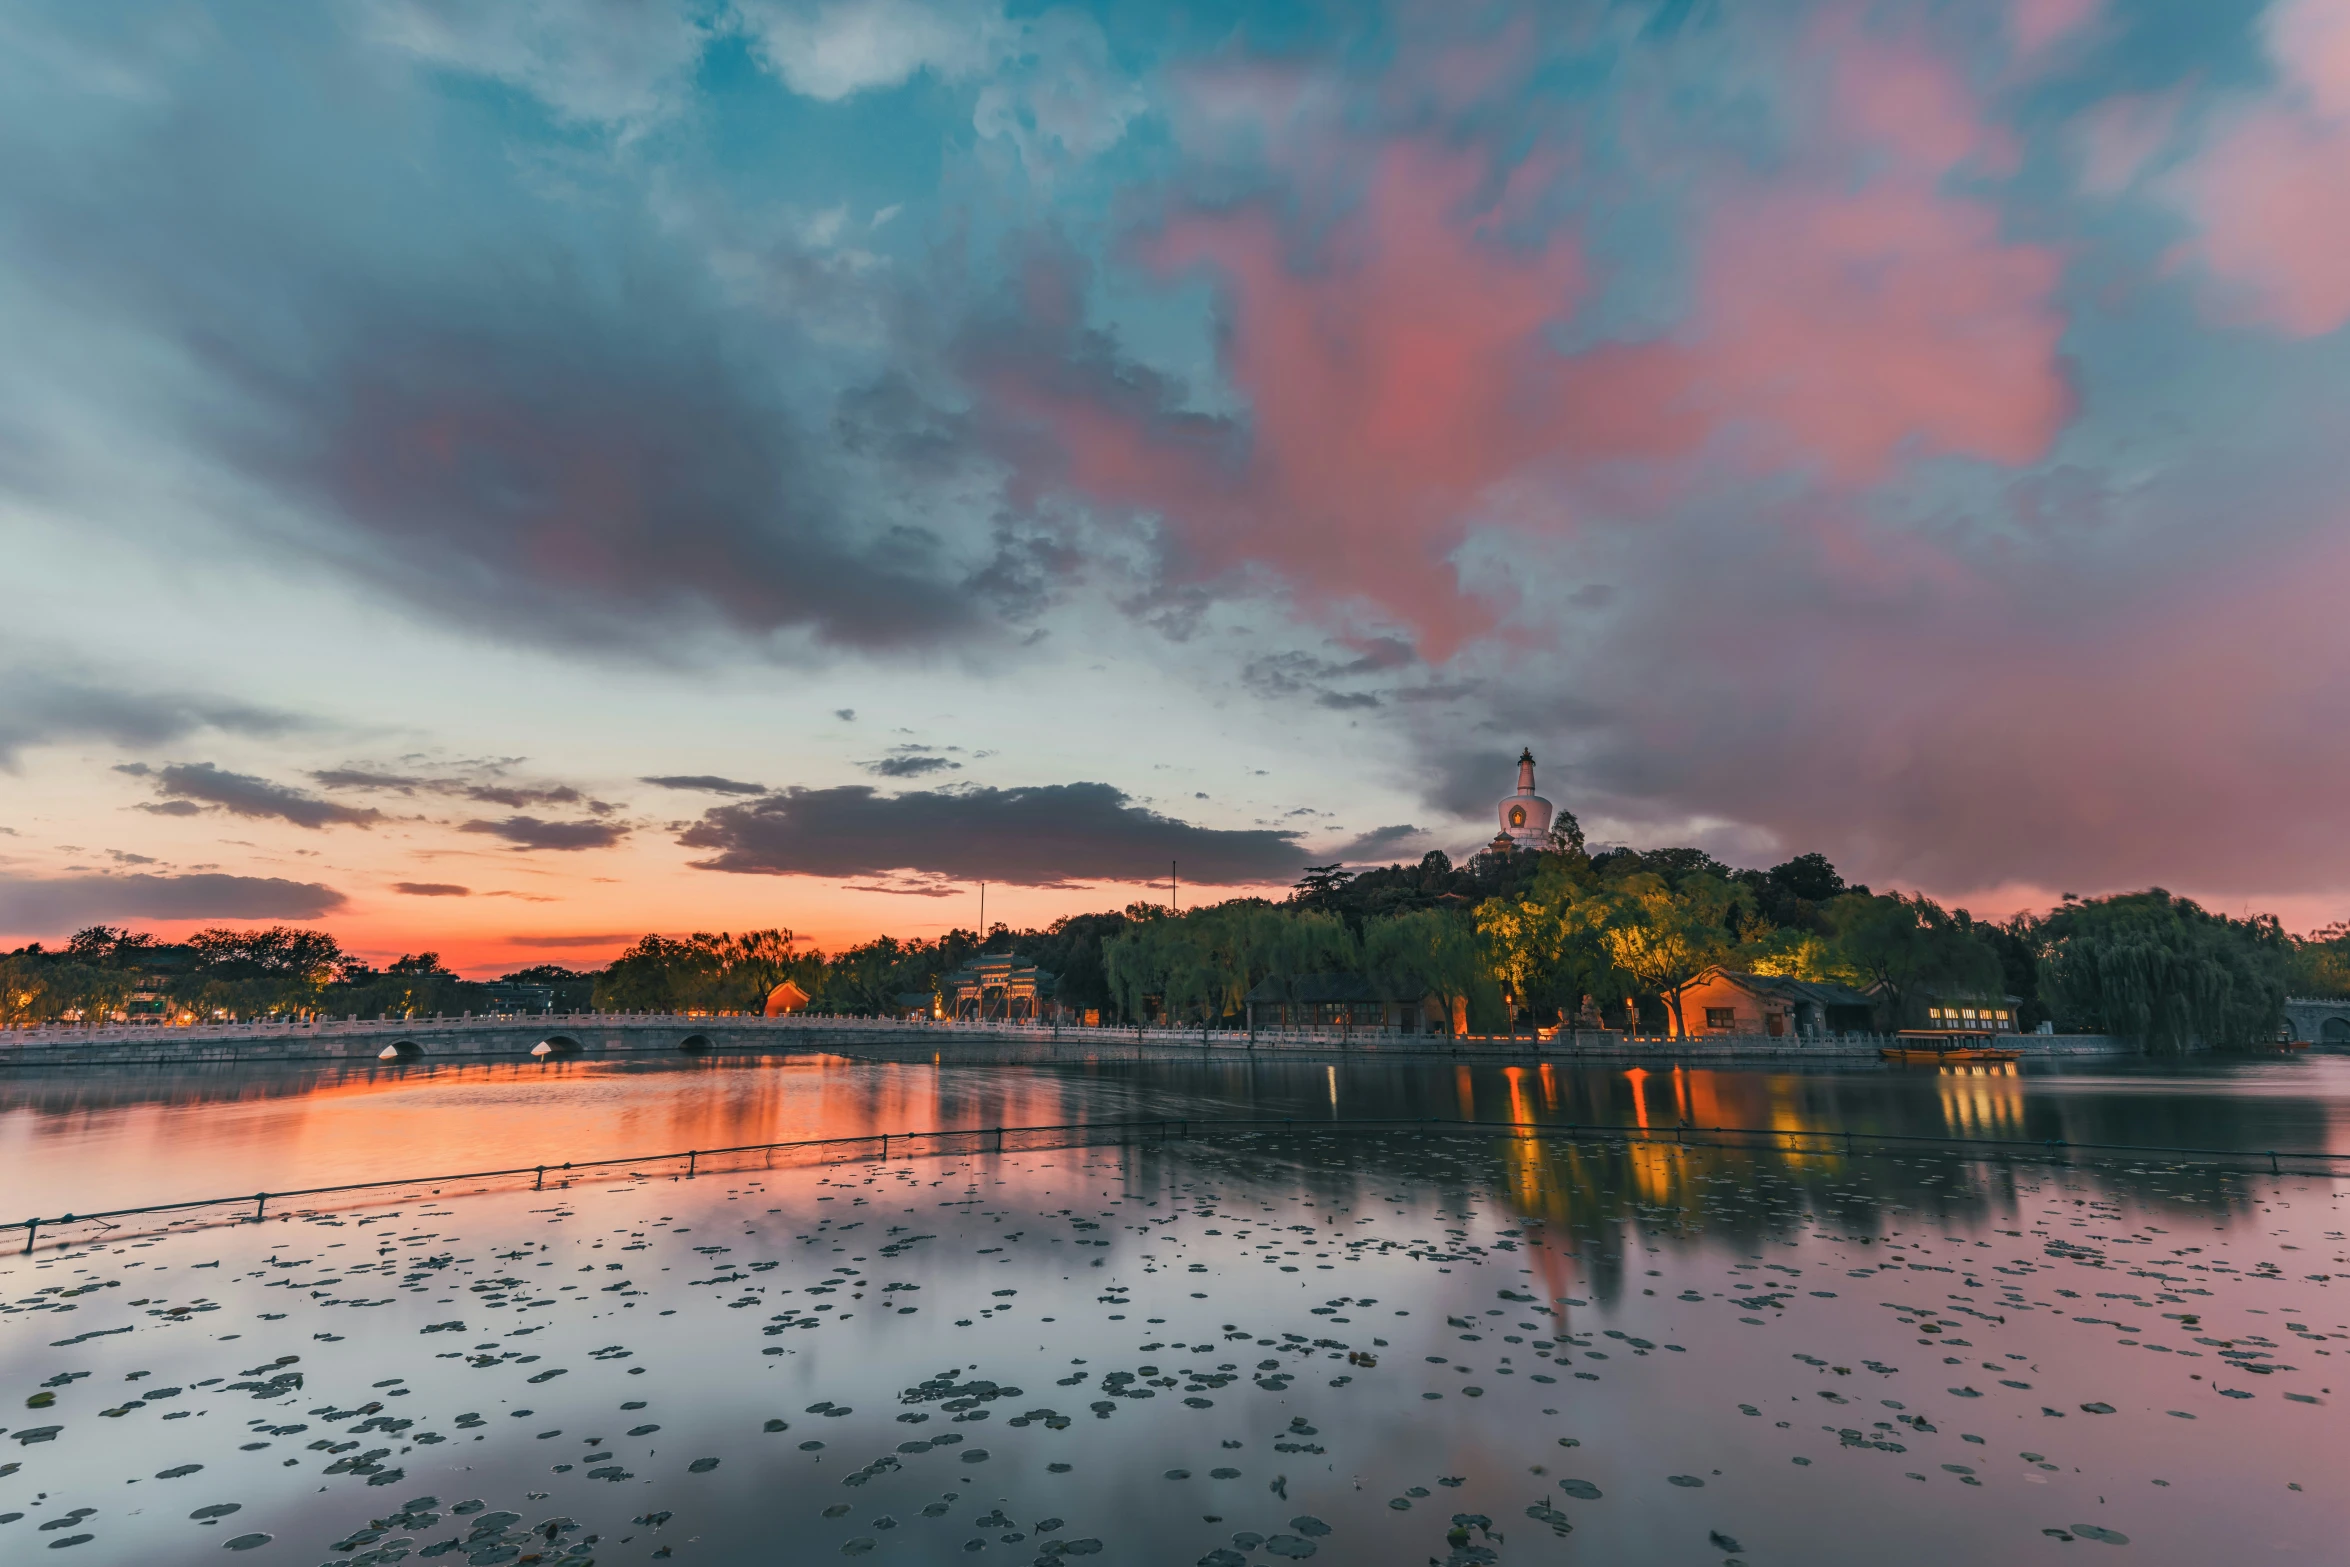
{"points": [[1525, 816]]}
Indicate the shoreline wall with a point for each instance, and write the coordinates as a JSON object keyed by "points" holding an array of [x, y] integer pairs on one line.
{"points": [[621, 1036]]}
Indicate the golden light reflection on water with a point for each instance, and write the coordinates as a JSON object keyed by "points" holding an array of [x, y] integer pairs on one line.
{"points": [[93, 1140], [1982, 1100]]}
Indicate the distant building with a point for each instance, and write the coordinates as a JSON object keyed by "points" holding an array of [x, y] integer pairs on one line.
{"points": [[1343, 1001], [502, 996], [1731, 1001], [996, 988], [1964, 1014], [785, 999]]}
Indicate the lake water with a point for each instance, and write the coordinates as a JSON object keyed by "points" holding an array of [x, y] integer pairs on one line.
{"points": [[1530, 1348]]}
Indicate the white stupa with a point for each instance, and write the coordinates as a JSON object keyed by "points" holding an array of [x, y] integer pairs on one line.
{"points": [[1525, 816]]}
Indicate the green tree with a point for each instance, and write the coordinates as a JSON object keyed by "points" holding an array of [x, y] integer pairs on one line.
{"points": [[1201, 965], [658, 974], [2319, 963], [1662, 936], [2165, 971], [747, 968], [1426, 952], [247, 973], [1908, 946]]}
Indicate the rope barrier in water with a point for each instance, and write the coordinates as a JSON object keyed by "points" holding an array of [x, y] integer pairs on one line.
{"points": [[1084, 1133]]}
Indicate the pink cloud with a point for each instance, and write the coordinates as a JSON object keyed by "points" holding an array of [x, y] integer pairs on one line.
{"points": [[1867, 326], [1939, 718], [1386, 387], [2120, 136], [2271, 193], [2038, 25], [1398, 368], [1893, 95]]}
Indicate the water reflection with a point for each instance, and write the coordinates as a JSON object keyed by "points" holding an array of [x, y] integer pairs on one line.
{"points": [[1184, 1349], [109, 1137]]}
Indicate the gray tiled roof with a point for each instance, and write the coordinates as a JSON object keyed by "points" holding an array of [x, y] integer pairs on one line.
{"points": [[1787, 989]]}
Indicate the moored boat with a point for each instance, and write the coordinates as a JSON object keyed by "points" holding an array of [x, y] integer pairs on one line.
{"points": [[1939, 1047]]}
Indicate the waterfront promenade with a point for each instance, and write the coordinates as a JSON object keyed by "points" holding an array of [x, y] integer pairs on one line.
{"points": [[611, 1035]]}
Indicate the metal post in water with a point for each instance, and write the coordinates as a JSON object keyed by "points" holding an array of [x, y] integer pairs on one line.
{"points": [[540, 1184], [693, 1157], [259, 1198], [32, 1227]]}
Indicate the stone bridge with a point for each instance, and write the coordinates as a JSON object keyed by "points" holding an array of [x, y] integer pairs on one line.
{"points": [[615, 1036], [585, 1035], [2320, 1021]]}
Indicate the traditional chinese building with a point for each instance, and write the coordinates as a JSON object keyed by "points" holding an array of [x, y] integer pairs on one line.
{"points": [[1346, 1001], [1730, 1001], [997, 988]]}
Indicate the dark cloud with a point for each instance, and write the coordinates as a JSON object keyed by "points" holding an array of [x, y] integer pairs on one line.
{"points": [[914, 766], [705, 783], [912, 887], [171, 808], [519, 396], [1375, 844], [432, 889], [36, 904], [559, 942], [40, 707], [528, 832], [361, 778], [541, 463], [512, 796], [241, 794], [847, 715], [1294, 673], [1045, 836]]}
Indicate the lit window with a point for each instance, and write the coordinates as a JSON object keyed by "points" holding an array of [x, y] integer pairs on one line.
{"points": [[2001, 1016], [1933, 1011], [1967, 1012], [1721, 1017]]}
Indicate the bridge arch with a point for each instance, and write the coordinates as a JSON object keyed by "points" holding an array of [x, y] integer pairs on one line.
{"points": [[400, 1050], [2334, 1031], [695, 1044], [555, 1045]]}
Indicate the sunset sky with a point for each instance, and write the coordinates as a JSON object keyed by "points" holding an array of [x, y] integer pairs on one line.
{"points": [[505, 478]]}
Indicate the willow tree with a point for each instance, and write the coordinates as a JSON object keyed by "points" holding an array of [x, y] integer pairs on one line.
{"points": [[1908, 947], [1203, 964], [2165, 971], [1427, 952]]}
